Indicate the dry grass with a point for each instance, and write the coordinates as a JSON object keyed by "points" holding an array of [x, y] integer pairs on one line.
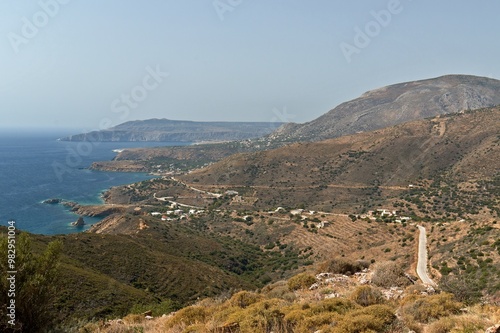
{"points": [[248, 312]]}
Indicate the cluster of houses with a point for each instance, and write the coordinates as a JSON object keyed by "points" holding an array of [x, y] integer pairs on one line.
{"points": [[384, 213], [177, 213], [300, 212]]}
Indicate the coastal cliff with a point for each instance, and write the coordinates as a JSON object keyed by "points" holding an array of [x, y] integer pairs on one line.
{"points": [[166, 130]]}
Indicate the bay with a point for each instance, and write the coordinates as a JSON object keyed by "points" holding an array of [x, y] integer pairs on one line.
{"points": [[35, 166]]}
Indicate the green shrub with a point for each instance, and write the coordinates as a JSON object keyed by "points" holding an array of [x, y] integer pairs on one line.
{"points": [[342, 266], [311, 317], [366, 295], [427, 308], [188, 316], [264, 316], [244, 298], [338, 305], [444, 325], [301, 281], [280, 290], [35, 283], [464, 289], [313, 323], [374, 318], [458, 324]]}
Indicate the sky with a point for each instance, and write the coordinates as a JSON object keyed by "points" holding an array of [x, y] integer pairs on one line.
{"points": [[91, 64]]}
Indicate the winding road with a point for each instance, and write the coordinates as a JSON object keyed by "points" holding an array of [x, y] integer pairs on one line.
{"points": [[422, 259]]}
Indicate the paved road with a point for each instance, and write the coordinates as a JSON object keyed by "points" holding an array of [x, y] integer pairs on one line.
{"points": [[216, 195], [422, 259], [398, 188]]}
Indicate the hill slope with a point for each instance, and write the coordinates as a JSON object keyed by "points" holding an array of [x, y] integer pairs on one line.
{"points": [[375, 109], [459, 148], [147, 261], [396, 104], [165, 130]]}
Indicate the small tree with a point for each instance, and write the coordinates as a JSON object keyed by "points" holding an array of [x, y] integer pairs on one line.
{"points": [[34, 285], [465, 289]]}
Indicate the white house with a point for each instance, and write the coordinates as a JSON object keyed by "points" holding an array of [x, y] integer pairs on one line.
{"points": [[322, 224]]}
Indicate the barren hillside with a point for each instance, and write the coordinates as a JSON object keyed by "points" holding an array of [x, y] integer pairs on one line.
{"points": [[396, 104], [382, 163]]}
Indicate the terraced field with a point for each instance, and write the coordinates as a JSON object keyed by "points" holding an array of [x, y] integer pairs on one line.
{"points": [[355, 240], [340, 237]]}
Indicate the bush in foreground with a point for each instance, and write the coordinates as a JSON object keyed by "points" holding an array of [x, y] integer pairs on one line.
{"points": [[424, 309], [389, 274], [374, 318], [35, 285], [342, 266], [366, 296], [301, 281]]}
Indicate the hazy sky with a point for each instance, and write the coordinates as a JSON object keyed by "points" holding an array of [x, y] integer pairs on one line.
{"points": [[88, 64]]}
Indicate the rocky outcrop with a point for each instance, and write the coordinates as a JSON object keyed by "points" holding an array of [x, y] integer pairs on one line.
{"points": [[78, 223], [493, 329], [53, 201], [89, 210], [99, 210], [118, 224]]}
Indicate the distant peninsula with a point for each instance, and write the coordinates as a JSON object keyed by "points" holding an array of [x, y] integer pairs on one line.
{"points": [[166, 130]]}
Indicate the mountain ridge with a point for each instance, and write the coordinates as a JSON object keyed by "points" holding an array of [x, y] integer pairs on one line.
{"points": [[395, 104], [167, 130], [375, 109]]}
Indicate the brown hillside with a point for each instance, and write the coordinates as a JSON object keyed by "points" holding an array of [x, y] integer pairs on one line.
{"points": [[383, 162]]}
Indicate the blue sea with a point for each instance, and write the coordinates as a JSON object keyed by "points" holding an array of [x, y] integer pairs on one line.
{"points": [[35, 166]]}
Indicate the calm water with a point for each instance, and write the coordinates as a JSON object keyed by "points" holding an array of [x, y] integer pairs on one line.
{"points": [[35, 167]]}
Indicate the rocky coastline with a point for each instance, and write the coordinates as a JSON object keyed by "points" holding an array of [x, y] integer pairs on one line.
{"points": [[102, 210]]}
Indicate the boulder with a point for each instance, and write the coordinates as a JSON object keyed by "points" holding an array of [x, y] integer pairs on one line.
{"points": [[78, 223], [52, 201], [493, 329]]}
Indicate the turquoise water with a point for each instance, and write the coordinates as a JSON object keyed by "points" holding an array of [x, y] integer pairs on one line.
{"points": [[35, 167]]}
